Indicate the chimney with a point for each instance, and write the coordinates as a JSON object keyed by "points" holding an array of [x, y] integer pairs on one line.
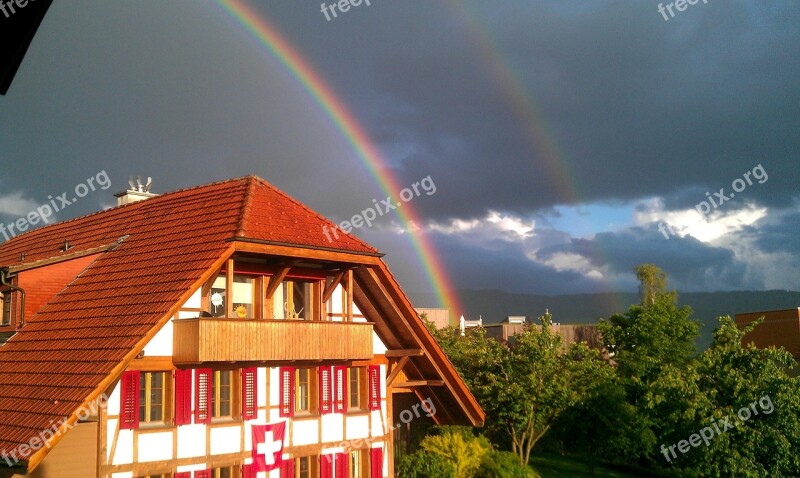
{"points": [[137, 192]]}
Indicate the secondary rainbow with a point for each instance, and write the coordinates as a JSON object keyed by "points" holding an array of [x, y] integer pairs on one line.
{"points": [[354, 134]]}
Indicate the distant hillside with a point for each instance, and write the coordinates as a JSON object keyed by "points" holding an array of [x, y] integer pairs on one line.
{"points": [[495, 305]]}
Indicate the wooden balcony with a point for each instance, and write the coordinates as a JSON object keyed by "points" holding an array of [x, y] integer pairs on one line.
{"points": [[237, 340]]}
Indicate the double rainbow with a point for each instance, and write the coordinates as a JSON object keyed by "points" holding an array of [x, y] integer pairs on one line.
{"points": [[355, 135]]}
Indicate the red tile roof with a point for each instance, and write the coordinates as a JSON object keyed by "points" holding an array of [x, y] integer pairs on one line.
{"points": [[165, 244]]}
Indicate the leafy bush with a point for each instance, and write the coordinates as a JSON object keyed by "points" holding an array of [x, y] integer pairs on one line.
{"points": [[503, 464], [462, 451], [423, 465]]}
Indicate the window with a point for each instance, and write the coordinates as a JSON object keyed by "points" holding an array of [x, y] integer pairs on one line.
{"points": [[152, 397], [304, 467], [221, 398], [243, 294], [354, 379], [226, 472], [302, 394], [296, 299], [357, 464], [5, 315]]}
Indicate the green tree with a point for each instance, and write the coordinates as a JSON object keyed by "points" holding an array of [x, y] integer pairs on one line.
{"points": [[522, 386], [652, 284]]}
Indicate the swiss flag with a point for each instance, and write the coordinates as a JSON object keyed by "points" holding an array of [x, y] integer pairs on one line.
{"points": [[268, 446]]}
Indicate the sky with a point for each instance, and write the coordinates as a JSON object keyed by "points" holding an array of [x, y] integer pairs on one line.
{"points": [[567, 140]]}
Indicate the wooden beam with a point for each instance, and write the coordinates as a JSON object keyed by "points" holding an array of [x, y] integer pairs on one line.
{"points": [[349, 289], [275, 281], [243, 245], [405, 353], [420, 383], [332, 286], [398, 367]]}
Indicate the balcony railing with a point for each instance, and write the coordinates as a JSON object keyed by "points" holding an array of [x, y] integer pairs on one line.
{"points": [[237, 340]]}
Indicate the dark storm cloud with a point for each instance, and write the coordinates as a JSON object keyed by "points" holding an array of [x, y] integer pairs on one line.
{"points": [[632, 106], [639, 106]]}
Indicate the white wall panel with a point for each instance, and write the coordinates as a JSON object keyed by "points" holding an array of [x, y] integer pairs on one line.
{"points": [[191, 441], [305, 432], [225, 440], [155, 446]]}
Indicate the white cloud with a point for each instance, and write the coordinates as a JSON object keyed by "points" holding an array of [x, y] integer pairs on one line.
{"points": [[569, 261], [16, 204], [715, 229]]}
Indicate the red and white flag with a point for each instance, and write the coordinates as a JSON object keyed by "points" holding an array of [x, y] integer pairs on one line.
{"points": [[268, 446]]}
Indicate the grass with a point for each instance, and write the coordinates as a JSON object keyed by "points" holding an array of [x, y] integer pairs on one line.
{"points": [[556, 466]]}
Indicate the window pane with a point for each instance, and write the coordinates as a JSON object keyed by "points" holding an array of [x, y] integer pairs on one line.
{"points": [[243, 293], [6, 312], [304, 467], [296, 299], [156, 397], [223, 391], [355, 464], [355, 388], [303, 393], [218, 297], [143, 397]]}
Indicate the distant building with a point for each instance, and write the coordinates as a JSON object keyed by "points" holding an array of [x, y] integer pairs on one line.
{"points": [[571, 333], [439, 317], [781, 328]]}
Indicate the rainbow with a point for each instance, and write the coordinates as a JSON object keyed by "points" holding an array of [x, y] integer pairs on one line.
{"points": [[354, 134], [531, 119]]}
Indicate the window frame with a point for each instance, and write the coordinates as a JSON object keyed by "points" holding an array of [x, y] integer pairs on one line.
{"points": [[145, 387], [358, 390], [6, 308], [216, 390]]}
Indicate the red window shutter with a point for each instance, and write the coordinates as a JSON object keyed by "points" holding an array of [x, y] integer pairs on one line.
{"points": [[287, 468], [183, 397], [342, 465], [326, 466], [340, 389], [249, 393], [183, 474], [376, 463], [325, 392], [129, 401], [374, 387], [202, 395], [248, 471], [202, 474], [286, 391]]}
